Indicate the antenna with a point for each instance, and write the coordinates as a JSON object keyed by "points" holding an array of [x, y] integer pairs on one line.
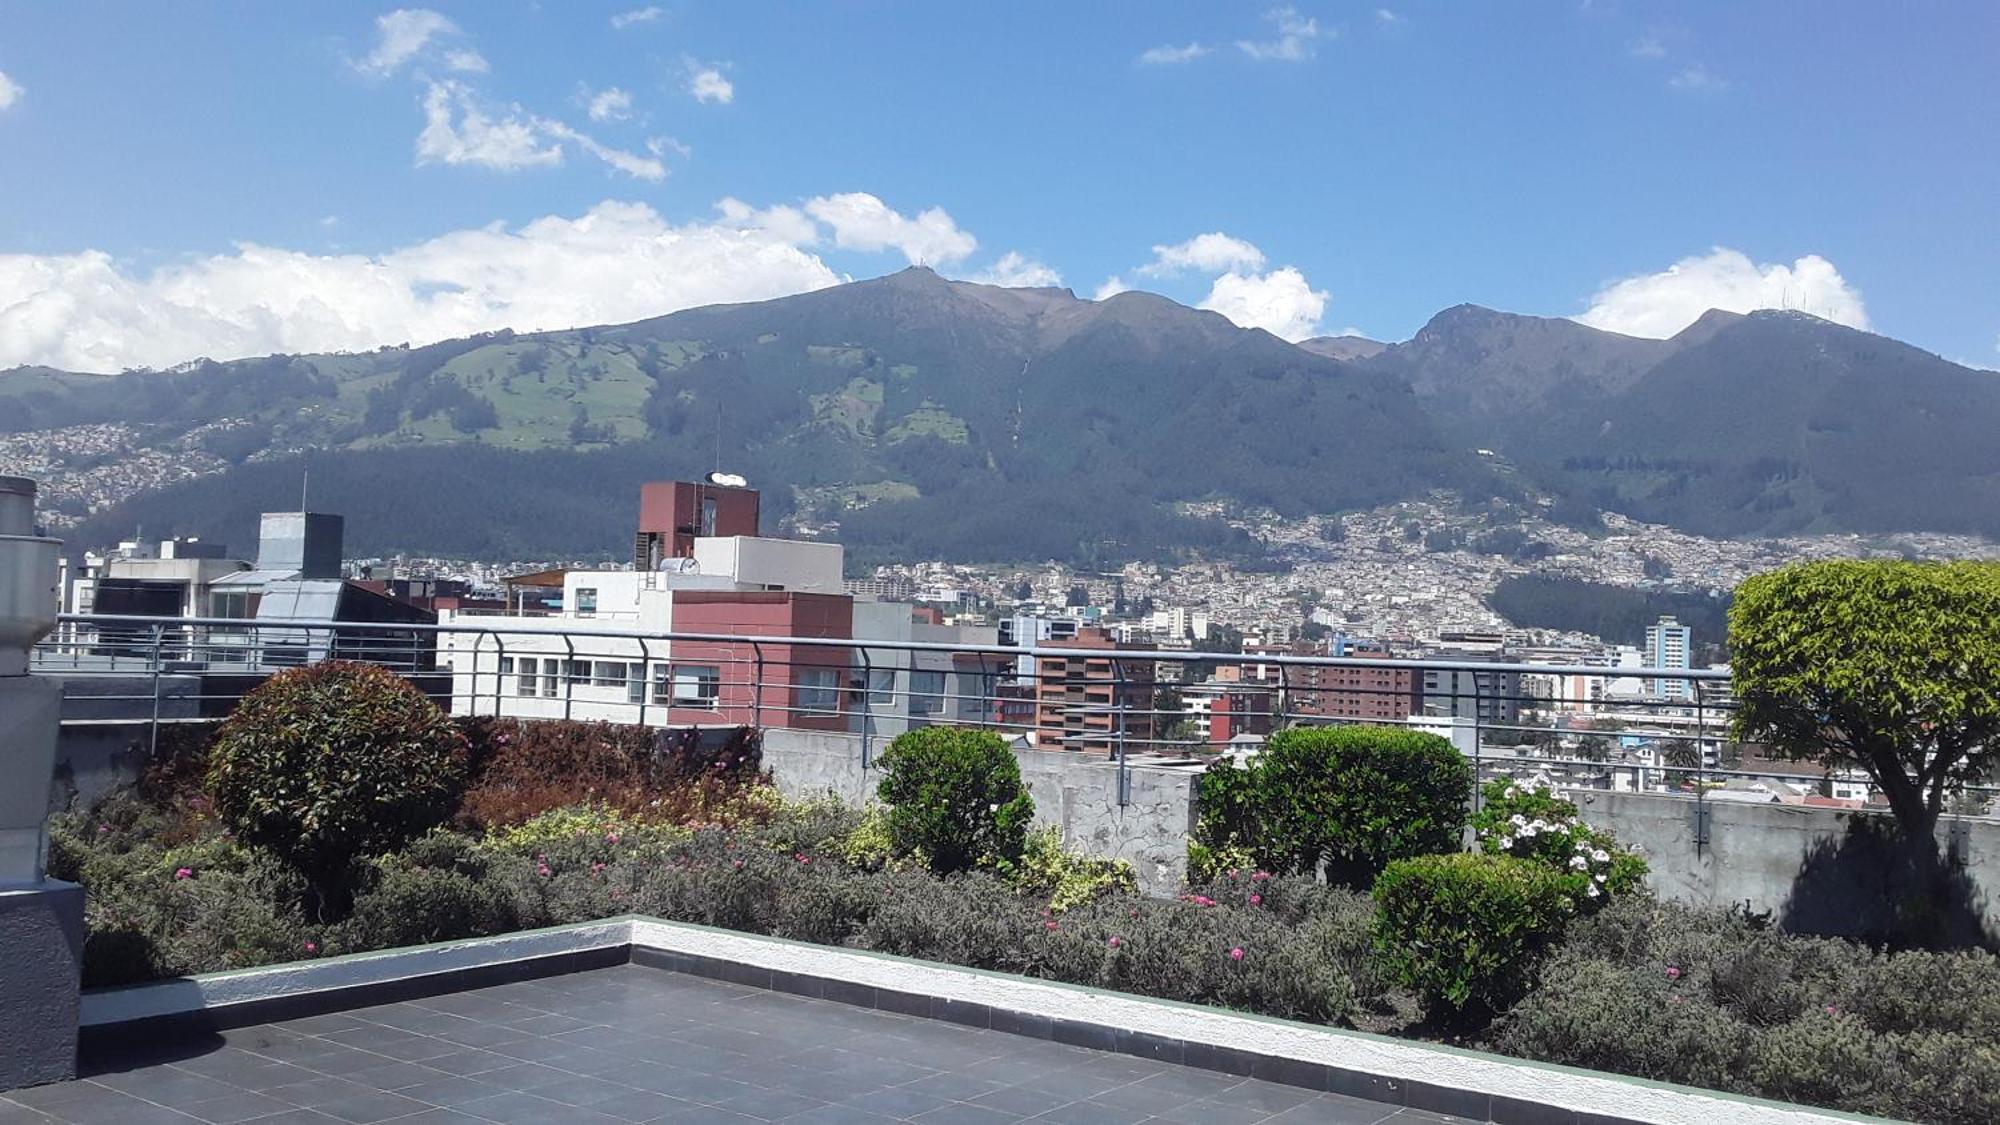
{"points": [[305, 478]]}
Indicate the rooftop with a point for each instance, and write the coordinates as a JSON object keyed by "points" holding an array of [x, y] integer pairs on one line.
{"points": [[637, 1044]]}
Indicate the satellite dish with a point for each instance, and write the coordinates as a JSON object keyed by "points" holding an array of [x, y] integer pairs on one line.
{"points": [[727, 480]]}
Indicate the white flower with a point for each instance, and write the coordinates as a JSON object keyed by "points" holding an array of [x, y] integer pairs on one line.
{"points": [[1591, 890], [1599, 877], [1517, 820], [1528, 830], [1601, 856], [1578, 862], [1506, 842]]}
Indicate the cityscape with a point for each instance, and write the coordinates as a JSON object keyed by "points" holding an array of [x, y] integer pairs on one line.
{"points": [[626, 563]]}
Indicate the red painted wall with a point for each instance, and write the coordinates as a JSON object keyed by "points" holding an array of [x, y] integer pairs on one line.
{"points": [[760, 613]]}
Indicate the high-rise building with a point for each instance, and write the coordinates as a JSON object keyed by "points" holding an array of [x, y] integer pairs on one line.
{"points": [[1093, 701], [1667, 646]]}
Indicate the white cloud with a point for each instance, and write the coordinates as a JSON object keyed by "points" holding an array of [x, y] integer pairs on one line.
{"points": [[610, 105], [1213, 252], [1661, 304], [1698, 79], [617, 262], [400, 34], [1649, 46], [506, 143], [786, 224], [1280, 302], [1168, 55], [467, 61], [623, 20], [459, 130], [1017, 271], [707, 84], [632, 164], [10, 90], [861, 221], [1384, 15], [1112, 286], [1296, 35]]}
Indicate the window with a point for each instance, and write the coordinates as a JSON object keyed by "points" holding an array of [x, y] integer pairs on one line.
{"points": [[506, 665], [586, 601], [817, 690], [526, 683], [579, 672], [881, 687], [697, 685], [662, 690], [926, 693], [609, 673], [551, 678], [635, 682], [708, 516]]}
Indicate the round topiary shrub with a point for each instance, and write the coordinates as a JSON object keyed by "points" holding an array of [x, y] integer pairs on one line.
{"points": [[325, 764], [1463, 930], [1349, 798], [955, 798]]}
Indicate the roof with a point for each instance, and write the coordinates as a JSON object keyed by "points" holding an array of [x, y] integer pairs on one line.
{"points": [[537, 578], [255, 578]]}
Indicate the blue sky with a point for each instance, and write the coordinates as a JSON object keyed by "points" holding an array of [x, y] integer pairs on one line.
{"points": [[229, 179]]}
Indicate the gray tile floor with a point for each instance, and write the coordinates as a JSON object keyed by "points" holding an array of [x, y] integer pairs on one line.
{"points": [[633, 1044]]}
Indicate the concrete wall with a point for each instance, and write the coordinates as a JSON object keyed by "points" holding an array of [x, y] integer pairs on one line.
{"points": [[1824, 871], [1076, 793]]}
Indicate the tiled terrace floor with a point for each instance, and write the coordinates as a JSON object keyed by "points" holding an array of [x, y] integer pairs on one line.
{"points": [[632, 1044]]}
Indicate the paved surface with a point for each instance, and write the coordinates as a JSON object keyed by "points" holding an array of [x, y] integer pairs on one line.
{"points": [[633, 1044]]}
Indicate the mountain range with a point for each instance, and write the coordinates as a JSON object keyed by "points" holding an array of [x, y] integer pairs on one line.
{"points": [[929, 418]]}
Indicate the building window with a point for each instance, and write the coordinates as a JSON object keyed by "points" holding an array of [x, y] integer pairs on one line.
{"points": [[635, 682], [586, 601], [551, 678], [697, 685], [525, 684], [662, 687], [608, 673], [881, 687], [817, 690], [579, 672], [926, 693]]}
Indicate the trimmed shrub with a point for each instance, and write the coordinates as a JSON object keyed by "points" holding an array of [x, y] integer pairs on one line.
{"points": [[523, 768], [1351, 799], [1463, 930], [1592, 1014], [974, 920], [332, 762], [955, 798], [411, 904], [1065, 878], [1528, 820]]}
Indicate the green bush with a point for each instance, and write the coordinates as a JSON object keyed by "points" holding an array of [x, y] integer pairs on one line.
{"points": [[1463, 931], [1065, 878], [1349, 798], [974, 920], [325, 764], [411, 904], [955, 798], [1527, 820]]}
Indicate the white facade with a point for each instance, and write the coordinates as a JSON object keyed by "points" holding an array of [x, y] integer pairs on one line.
{"points": [[1667, 644]]}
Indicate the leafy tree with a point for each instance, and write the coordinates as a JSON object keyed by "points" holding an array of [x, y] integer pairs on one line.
{"points": [[1079, 596], [1683, 755], [955, 798], [1024, 591], [1593, 748], [1893, 667]]}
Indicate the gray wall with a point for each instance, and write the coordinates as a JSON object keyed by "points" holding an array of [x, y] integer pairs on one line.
{"points": [[1075, 792], [1825, 871]]}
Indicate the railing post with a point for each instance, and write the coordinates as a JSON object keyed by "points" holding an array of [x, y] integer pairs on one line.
{"points": [[153, 735], [645, 676], [499, 681], [757, 687], [1118, 727], [1701, 823], [568, 672], [867, 709], [1478, 737]]}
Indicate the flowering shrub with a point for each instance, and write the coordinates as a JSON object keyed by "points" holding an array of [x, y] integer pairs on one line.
{"points": [[1463, 930], [1349, 798], [1067, 879], [955, 798], [573, 823], [1527, 820], [521, 769], [324, 764]]}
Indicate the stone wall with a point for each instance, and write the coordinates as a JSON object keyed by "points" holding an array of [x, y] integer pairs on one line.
{"points": [[1077, 793]]}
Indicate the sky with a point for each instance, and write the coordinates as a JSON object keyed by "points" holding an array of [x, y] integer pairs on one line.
{"points": [[230, 179]]}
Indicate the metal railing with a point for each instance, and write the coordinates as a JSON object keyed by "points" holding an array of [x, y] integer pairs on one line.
{"points": [[1510, 719]]}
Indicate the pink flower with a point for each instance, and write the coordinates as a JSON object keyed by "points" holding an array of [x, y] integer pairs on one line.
{"points": [[1232, 873], [1261, 876], [1673, 972], [312, 947], [739, 865], [541, 869], [1049, 925], [1115, 943], [803, 858], [1832, 1010], [184, 873], [1236, 954], [104, 828], [1256, 900], [1676, 998], [596, 867]]}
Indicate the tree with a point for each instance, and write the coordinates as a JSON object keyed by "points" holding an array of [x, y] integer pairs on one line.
{"points": [[1893, 667], [1683, 755], [1593, 748], [1079, 596], [955, 798]]}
